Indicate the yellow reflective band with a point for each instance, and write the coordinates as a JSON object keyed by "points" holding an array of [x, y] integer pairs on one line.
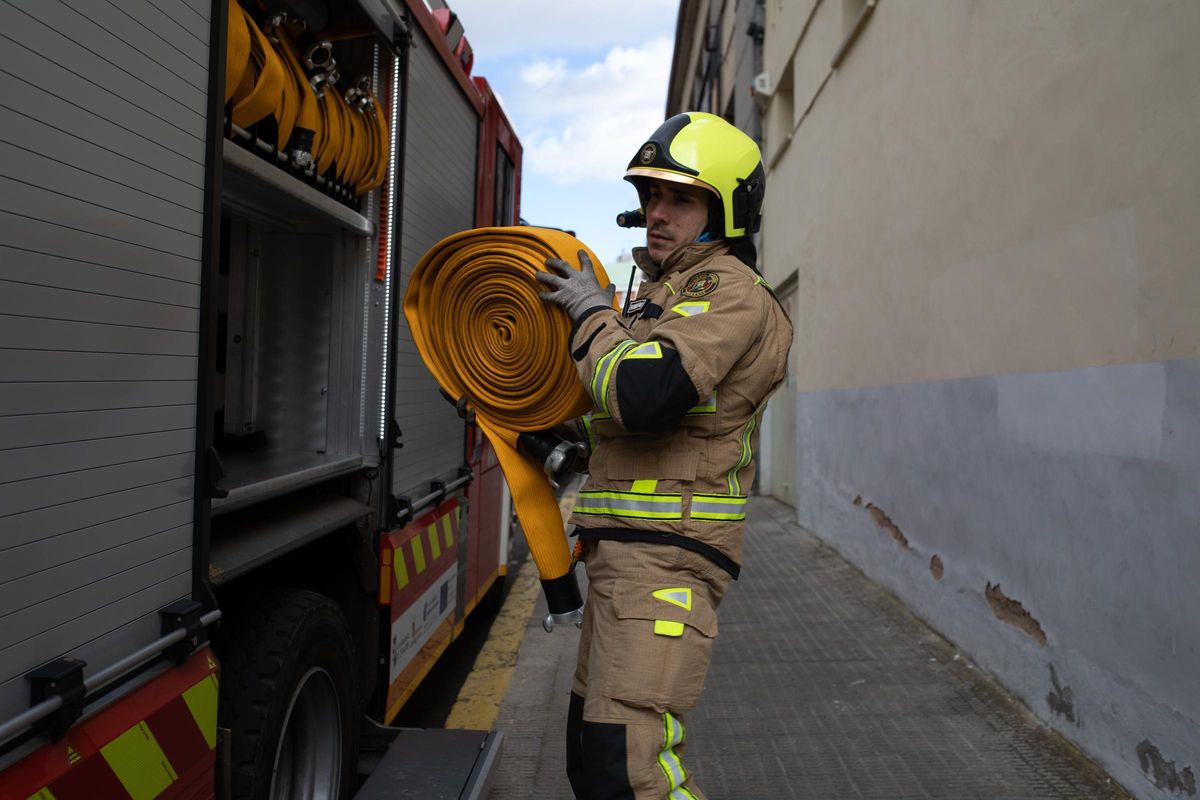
{"points": [[587, 431], [139, 763], [666, 627], [735, 485], [448, 530], [669, 286], [73, 754], [647, 350], [43, 794], [604, 368], [718, 507], [418, 554], [644, 486], [400, 570], [201, 700], [630, 505], [709, 406], [692, 308], [671, 766], [680, 596], [435, 546]]}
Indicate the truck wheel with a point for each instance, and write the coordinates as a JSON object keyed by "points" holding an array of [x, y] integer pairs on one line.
{"points": [[289, 698]]}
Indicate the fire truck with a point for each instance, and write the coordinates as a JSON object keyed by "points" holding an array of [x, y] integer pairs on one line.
{"points": [[238, 522]]}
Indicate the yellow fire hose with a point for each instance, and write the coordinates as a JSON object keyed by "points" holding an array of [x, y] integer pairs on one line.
{"points": [[473, 307]]}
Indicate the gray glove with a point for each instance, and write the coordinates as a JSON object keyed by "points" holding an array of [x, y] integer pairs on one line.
{"points": [[577, 291]]}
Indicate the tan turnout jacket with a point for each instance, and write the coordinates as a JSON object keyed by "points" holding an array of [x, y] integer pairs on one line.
{"points": [[713, 319]]}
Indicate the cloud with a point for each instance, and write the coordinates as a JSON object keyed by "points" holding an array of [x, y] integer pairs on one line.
{"points": [[506, 27], [584, 123], [543, 73]]}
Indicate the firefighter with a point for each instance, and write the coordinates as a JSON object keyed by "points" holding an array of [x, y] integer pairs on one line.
{"points": [[679, 380]]}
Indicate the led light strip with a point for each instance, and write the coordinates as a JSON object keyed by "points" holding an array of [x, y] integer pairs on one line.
{"points": [[391, 222]]}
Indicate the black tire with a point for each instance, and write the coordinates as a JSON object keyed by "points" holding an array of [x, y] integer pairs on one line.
{"points": [[287, 658]]}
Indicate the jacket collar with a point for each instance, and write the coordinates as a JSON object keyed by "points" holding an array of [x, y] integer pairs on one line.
{"points": [[681, 258]]}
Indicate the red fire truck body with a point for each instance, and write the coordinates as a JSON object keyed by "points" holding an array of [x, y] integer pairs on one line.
{"points": [[238, 522]]}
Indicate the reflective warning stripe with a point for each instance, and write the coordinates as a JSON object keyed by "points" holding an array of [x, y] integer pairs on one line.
{"points": [[435, 545], [645, 486], [718, 507], [156, 742], [400, 569], [671, 766], [201, 699], [139, 763], [630, 505], [604, 368], [735, 485], [708, 406], [645, 350], [680, 596], [418, 554], [692, 308]]}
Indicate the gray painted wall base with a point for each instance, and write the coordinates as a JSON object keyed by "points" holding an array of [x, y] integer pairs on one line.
{"points": [[1064, 511]]}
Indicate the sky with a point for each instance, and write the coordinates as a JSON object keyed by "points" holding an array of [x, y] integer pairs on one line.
{"points": [[584, 84]]}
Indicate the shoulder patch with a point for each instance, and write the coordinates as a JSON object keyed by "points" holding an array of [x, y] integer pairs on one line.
{"points": [[700, 285]]}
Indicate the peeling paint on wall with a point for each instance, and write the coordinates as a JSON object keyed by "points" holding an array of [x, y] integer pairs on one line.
{"points": [[1062, 700], [935, 566], [1011, 611], [1163, 772], [885, 522]]}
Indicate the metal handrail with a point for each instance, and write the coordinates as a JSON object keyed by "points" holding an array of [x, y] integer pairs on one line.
{"points": [[429, 499], [34, 714]]}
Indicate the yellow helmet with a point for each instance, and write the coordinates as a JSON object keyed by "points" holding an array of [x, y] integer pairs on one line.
{"points": [[702, 149]]}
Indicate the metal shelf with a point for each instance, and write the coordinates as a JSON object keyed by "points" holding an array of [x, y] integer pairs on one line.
{"points": [[247, 540], [258, 188], [254, 477]]}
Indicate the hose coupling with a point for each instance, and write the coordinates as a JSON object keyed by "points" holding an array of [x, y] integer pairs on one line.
{"points": [[557, 456], [319, 55], [564, 602], [570, 618]]}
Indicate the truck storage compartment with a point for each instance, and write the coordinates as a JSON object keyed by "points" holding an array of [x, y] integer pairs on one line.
{"points": [[289, 367], [298, 307]]}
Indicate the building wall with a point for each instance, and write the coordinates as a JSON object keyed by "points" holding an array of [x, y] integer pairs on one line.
{"points": [[989, 212]]}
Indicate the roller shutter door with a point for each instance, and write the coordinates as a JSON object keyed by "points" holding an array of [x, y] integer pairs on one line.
{"points": [[102, 124], [439, 199]]}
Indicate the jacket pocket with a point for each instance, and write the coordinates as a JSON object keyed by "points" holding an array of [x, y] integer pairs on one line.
{"points": [[660, 652]]}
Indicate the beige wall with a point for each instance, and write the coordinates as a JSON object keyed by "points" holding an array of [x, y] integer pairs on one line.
{"points": [[984, 188]]}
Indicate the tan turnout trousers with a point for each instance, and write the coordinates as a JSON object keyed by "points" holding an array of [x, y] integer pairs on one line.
{"points": [[648, 631]]}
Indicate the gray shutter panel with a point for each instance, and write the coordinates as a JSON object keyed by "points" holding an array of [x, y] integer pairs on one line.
{"points": [[101, 215], [439, 199]]}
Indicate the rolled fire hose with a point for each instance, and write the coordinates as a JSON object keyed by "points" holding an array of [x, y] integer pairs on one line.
{"points": [[473, 307], [261, 87]]}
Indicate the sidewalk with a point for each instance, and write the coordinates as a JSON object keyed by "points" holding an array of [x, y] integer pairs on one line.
{"points": [[822, 687]]}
